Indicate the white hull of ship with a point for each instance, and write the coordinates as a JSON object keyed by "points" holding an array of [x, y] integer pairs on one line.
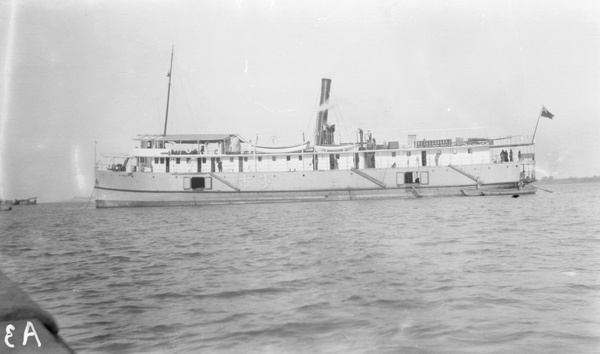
{"points": [[134, 189]]}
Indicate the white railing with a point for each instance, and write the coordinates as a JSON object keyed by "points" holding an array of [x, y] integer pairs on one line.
{"points": [[155, 160]]}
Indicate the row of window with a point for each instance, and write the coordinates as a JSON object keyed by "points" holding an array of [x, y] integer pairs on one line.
{"points": [[438, 152], [161, 160]]}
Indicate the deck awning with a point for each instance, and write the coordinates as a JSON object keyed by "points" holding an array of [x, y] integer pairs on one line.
{"points": [[189, 138]]}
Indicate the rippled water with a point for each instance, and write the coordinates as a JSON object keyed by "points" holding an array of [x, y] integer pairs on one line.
{"points": [[440, 275]]}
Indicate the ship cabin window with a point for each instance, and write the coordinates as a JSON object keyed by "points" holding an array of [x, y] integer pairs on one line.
{"points": [[178, 160], [299, 157], [156, 160], [162, 160], [204, 160], [408, 153], [259, 158], [288, 158], [470, 151], [148, 145], [274, 158], [231, 159], [245, 158], [197, 183], [393, 154]]}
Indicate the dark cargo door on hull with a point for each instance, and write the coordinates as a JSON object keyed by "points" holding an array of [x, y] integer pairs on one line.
{"points": [[370, 159], [212, 164], [168, 164], [424, 157]]}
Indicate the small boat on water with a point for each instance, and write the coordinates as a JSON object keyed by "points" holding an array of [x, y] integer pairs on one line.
{"points": [[28, 201], [201, 169]]}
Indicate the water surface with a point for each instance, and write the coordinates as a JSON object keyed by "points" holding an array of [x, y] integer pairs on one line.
{"points": [[438, 275]]}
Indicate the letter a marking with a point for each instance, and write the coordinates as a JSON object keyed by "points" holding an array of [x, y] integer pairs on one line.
{"points": [[28, 334]]}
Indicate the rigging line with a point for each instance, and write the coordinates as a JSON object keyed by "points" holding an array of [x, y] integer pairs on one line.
{"points": [[91, 195], [185, 95], [158, 113], [480, 169], [339, 112], [338, 115], [333, 108], [310, 121]]}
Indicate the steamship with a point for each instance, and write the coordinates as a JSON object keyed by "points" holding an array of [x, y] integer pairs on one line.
{"points": [[200, 169]]}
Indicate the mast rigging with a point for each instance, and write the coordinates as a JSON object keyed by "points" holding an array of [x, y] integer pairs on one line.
{"points": [[169, 91]]}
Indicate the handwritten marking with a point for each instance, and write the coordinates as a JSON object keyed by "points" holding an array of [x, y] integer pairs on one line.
{"points": [[28, 332], [9, 334]]}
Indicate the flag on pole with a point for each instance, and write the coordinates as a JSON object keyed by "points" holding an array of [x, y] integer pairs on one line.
{"points": [[546, 113]]}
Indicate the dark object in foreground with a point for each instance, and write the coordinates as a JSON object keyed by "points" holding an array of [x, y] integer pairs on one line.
{"points": [[25, 326]]}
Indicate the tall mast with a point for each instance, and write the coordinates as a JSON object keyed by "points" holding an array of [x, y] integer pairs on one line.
{"points": [[321, 136], [169, 91]]}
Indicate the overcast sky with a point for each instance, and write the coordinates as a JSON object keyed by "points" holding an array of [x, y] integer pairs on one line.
{"points": [[74, 72]]}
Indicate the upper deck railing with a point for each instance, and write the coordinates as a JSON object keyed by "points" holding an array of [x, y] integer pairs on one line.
{"points": [[185, 160]]}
